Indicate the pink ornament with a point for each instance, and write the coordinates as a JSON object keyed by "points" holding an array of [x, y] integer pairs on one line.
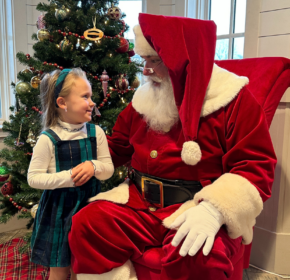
{"points": [[40, 22], [105, 78]]}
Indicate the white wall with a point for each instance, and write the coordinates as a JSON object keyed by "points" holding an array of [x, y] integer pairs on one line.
{"points": [[268, 34], [167, 7]]}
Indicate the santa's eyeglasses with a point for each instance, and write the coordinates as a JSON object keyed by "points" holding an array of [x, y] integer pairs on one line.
{"points": [[154, 64]]}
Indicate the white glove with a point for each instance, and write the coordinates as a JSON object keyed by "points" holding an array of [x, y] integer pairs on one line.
{"points": [[199, 224]]}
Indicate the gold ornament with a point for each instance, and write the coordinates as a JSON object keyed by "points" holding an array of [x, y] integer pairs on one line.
{"points": [[135, 83], [31, 139], [65, 43], [35, 81], [114, 12], [34, 210], [62, 14], [25, 71], [43, 34], [93, 34], [22, 87]]}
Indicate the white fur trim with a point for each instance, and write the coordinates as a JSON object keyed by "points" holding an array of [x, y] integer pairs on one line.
{"points": [[142, 47], [191, 153], [239, 202], [124, 272], [118, 194], [186, 205], [223, 87]]}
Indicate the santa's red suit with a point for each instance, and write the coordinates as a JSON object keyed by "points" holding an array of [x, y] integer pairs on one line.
{"points": [[227, 149]]}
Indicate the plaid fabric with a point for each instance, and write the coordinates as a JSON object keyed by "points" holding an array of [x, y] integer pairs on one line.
{"points": [[16, 266], [53, 219]]}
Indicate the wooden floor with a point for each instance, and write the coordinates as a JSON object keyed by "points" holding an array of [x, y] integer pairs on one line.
{"points": [[249, 274]]}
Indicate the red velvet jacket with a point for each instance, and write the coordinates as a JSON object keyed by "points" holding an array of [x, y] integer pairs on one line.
{"points": [[236, 151]]}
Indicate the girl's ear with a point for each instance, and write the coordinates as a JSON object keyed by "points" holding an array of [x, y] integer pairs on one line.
{"points": [[60, 101]]}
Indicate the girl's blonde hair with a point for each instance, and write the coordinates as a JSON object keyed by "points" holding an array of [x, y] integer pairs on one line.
{"points": [[47, 97]]}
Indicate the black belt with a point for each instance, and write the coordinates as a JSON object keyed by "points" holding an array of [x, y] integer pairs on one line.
{"points": [[163, 192]]}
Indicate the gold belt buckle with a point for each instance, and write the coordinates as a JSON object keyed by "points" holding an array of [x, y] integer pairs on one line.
{"points": [[160, 184]]}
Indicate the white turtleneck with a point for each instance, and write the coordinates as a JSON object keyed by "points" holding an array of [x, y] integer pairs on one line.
{"points": [[42, 171]]}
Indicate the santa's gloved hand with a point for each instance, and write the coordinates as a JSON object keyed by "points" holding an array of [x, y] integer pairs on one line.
{"points": [[198, 224]]}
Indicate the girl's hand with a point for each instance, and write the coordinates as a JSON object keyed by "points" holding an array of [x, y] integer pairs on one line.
{"points": [[82, 173]]}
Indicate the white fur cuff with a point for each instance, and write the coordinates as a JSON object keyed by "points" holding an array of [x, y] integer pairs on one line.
{"points": [[239, 202], [124, 272], [142, 47], [191, 153], [118, 194]]}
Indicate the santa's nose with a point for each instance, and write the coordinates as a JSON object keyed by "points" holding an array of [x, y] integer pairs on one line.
{"points": [[148, 71]]}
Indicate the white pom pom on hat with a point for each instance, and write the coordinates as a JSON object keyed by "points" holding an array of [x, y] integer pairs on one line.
{"points": [[191, 153]]}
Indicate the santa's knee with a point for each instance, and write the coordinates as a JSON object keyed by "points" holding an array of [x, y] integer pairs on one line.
{"points": [[90, 218]]}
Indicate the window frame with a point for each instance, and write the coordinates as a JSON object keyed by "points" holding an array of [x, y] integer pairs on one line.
{"points": [[7, 59], [231, 36]]}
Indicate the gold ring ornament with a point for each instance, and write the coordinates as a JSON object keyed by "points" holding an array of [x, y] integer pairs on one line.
{"points": [[94, 34]]}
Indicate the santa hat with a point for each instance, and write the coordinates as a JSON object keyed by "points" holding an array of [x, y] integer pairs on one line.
{"points": [[187, 48]]}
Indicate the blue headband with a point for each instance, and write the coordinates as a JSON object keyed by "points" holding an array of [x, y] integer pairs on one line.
{"points": [[59, 83]]}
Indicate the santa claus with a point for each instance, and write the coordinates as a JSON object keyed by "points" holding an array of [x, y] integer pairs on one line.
{"points": [[202, 164]]}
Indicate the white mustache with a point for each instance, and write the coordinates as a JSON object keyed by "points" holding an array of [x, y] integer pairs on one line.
{"points": [[154, 79]]}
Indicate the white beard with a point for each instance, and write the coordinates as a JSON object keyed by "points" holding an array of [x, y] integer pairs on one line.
{"points": [[156, 104]]}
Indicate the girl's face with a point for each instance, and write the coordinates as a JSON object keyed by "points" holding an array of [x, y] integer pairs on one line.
{"points": [[79, 103]]}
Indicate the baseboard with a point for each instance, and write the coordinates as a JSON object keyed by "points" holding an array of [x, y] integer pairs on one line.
{"points": [[271, 251]]}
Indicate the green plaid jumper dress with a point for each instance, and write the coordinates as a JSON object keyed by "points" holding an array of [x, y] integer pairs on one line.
{"points": [[53, 219]]}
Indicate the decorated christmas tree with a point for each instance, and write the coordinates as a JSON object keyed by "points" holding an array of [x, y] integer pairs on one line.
{"points": [[88, 34]]}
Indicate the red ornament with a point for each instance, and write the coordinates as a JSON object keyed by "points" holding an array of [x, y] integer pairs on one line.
{"points": [[24, 210], [7, 188], [28, 55], [14, 203], [121, 83], [77, 35], [19, 207], [69, 33], [105, 100], [82, 37], [44, 63], [131, 53], [55, 64], [124, 46], [63, 33], [60, 67], [49, 64], [4, 177], [108, 95], [101, 105], [10, 199], [32, 68]]}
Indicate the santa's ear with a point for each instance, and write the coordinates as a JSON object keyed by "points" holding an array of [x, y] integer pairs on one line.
{"points": [[60, 101]]}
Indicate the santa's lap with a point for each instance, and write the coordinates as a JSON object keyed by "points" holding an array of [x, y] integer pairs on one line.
{"points": [[105, 235]]}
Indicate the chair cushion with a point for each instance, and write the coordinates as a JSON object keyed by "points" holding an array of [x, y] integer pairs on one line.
{"points": [[269, 78]]}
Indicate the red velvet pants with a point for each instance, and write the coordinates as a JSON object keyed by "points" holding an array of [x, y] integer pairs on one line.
{"points": [[105, 235]]}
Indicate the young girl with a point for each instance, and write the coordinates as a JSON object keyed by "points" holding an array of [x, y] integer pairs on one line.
{"points": [[69, 159]]}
